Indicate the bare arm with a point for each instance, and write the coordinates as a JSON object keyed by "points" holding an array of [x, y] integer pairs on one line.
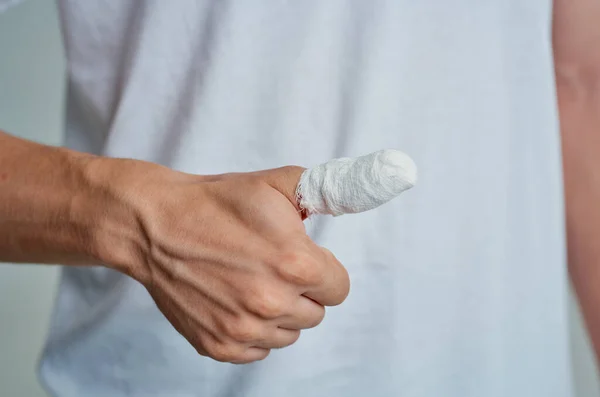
{"points": [[226, 258], [576, 39], [50, 212]]}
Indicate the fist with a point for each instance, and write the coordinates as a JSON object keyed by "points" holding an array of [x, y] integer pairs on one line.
{"points": [[227, 259]]}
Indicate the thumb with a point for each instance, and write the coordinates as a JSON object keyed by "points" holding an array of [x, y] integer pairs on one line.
{"points": [[285, 180], [345, 185], [351, 185]]}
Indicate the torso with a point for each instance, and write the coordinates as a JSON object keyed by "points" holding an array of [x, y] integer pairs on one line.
{"points": [[458, 288]]}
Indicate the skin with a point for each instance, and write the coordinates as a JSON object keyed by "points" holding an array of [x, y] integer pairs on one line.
{"points": [[576, 40], [226, 257]]}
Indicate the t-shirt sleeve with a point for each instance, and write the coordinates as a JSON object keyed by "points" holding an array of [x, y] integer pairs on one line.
{"points": [[6, 4]]}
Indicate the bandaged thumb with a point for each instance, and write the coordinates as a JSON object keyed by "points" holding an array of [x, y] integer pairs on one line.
{"points": [[351, 185], [345, 185]]}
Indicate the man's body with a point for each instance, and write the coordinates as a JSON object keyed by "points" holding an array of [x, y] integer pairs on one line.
{"points": [[458, 289]]}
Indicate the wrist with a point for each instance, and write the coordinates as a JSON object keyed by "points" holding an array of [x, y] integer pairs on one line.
{"points": [[113, 205]]}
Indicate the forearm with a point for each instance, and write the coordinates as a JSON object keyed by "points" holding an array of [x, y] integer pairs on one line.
{"points": [[576, 45], [55, 207], [580, 125]]}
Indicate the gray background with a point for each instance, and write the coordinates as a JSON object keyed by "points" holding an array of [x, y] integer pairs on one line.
{"points": [[31, 106]]}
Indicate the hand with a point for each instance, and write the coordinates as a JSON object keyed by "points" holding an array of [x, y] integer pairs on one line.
{"points": [[226, 258]]}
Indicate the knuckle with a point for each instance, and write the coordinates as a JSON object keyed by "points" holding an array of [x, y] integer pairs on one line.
{"points": [[199, 346], [285, 256], [299, 269], [292, 168], [267, 305], [224, 352], [254, 358], [242, 330]]}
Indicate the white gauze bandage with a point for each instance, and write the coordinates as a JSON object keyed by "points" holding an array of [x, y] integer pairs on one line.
{"points": [[351, 185]]}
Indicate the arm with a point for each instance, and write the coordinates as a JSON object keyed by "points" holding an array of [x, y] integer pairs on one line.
{"points": [[226, 257], [576, 39], [48, 211]]}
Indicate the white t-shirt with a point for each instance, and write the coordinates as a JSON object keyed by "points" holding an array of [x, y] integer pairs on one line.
{"points": [[458, 287]]}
